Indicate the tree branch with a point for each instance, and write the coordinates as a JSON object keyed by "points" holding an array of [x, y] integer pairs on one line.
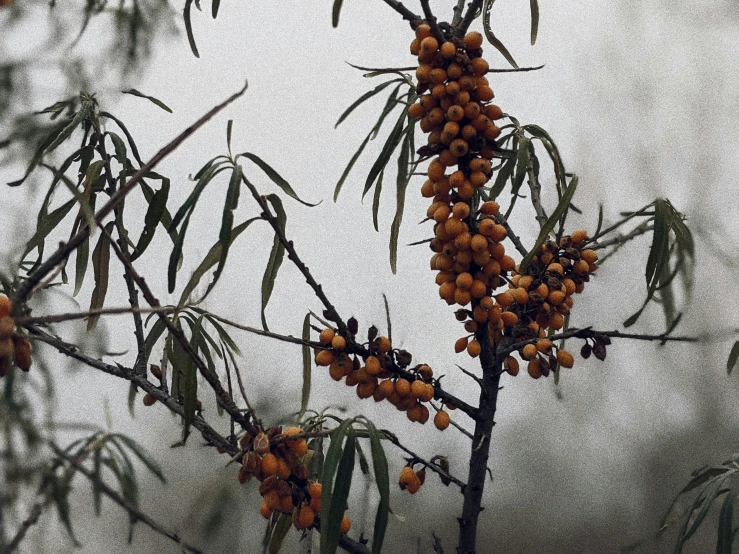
{"points": [[402, 10], [620, 239], [209, 434], [69, 316], [469, 16]]}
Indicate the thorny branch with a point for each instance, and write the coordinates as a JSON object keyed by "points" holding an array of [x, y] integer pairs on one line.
{"points": [[436, 468], [118, 499], [472, 9], [69, 316], [620, 239]]}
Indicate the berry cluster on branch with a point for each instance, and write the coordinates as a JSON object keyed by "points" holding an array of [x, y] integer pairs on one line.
{"points": [[14, 349], [373, 377]]}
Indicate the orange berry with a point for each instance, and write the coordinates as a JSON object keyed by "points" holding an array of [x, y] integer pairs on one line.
{"points": [[478, 289], [579, 236], [484, 94], [534, 369], [544, 345], [455, 113], [462, 297], [338, 343], [272, 499], [564, 358], [493, 112], [464, 280], [520, 295], [590, 256], [474, 348], [479, 67], [372, 365], [326, 336], [438, 76], [6, 306], [286, 503], [306, 517], [418, 388], [507, 263], [283, 469], [473, 40], [460, 345], [556, 297], [346, 524], [429, 45], [403, 387], [383, 345], [325, 357], [265, 510], [336, 371], [510, 364], [441, 420], [479, 243], [505, 298], [448, 50], [149, 399], [557, 322], [509, 319], [7, 327], [555, 268], [416, 111], [315, 490], [529, 352], [270, 465]]}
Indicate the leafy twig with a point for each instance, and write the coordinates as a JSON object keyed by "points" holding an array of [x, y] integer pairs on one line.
{"points": [[27, 523], [122, 502]]}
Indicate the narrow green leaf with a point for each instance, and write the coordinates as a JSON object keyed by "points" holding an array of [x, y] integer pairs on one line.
{"points": [[189, 383], [151, 464], [276, 178], [229, 130], [153, 217], [154, 333], [402, 184], [330, 465], [523, 156], [504, 173], [188, 28], [376, 200], [47, 225], [60, 495], [382, 479], [134, 92], [307, 367], [349, 166], [733, 356], [698, 511], [725, 538], [366, 96], [214, 8], [487, 6], [84, 112], [121, 152], [40, 150], [96, 492], [224, 236], [382, 160], [281, 528], [211, 258], [335, 13], [331, 523], [100, 266], [132, 390], [80, 267], [275, 257], [558, 212], [534, 20], [129, 137]]}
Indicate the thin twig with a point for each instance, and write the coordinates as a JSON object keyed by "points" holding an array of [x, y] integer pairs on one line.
{"points": [[472, 9], [27, 523], [431, 20], [292, 255], [458, 9], [57, 318], [122, 502], [61, 254], [241, 383], [402, 10], [515, 239], [625, 219], [620, 239], [535, 188], [431, 465]]}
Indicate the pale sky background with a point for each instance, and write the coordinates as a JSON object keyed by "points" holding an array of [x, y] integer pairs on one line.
{"points": [[641, 99]]}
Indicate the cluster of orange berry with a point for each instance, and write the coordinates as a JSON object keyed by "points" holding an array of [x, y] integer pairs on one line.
{"points": [[285, 486], [373, 375], [411, 480], [13, 348], [542, 297]]}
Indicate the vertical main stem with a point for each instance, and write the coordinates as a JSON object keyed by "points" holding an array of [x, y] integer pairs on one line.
{"points": [[480, 449]]}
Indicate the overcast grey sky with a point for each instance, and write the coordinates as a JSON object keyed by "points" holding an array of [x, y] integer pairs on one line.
{"points": [[641, 99]]}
